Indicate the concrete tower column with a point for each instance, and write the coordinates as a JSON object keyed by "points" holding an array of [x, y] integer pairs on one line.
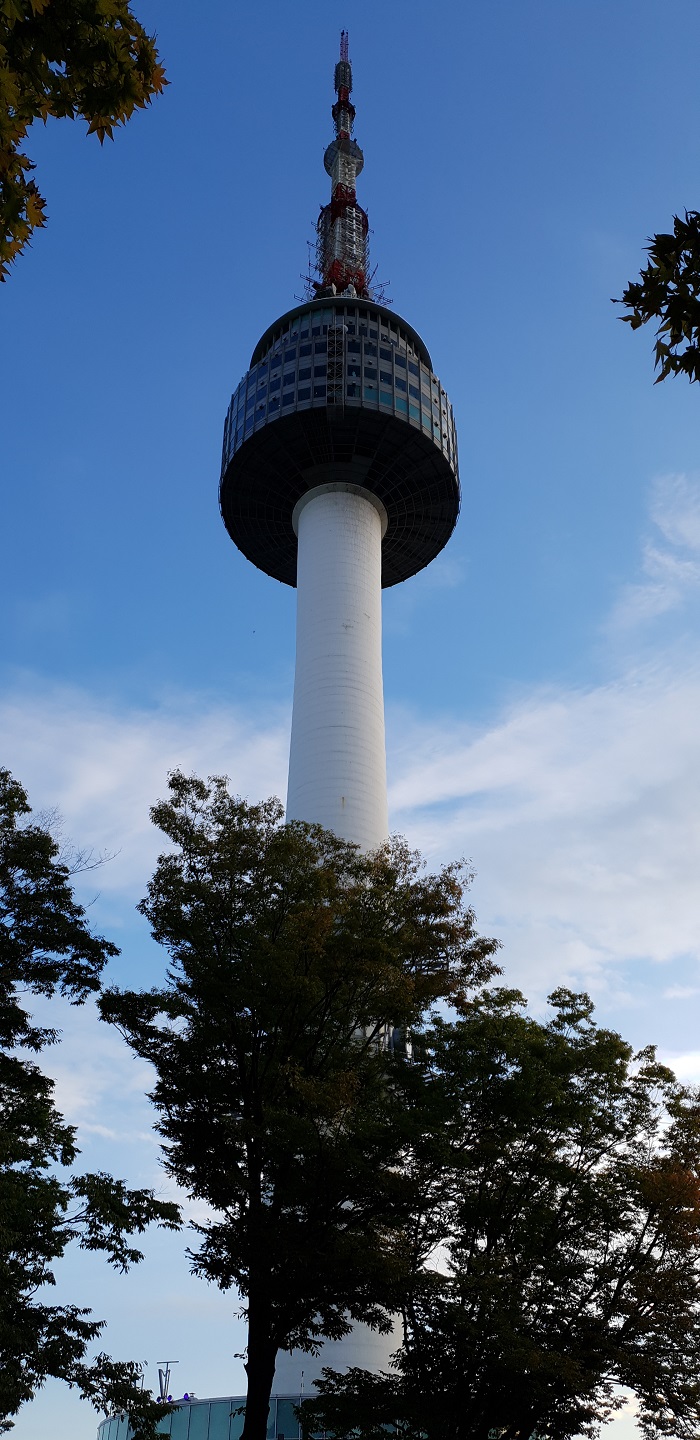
{"points": [[337, 762]]}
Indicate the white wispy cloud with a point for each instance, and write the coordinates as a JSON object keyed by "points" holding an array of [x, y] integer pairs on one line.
{"points": [[103, 765], [670, 557], [580, 808]]}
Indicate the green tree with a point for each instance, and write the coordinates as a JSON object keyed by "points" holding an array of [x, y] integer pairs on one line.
{"points": [[277, 1076], [559, 1180], [46, 947], [63, 58], [668, 292]]}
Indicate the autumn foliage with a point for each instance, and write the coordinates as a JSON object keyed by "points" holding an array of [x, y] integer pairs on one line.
{"points": [[88, 59]]}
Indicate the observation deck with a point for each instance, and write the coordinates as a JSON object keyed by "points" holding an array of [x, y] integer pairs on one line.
{"points": [[340, 390]]}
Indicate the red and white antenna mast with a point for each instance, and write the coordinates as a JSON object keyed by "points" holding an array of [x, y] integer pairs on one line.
{"points": [[342, 248]]}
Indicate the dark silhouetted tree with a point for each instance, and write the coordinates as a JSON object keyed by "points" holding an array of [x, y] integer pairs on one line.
{"points": [[554, 1254], [279, 1085], [47, 947]]}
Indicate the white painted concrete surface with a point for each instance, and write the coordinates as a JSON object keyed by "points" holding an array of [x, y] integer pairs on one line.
{"points": [[337, 762]]}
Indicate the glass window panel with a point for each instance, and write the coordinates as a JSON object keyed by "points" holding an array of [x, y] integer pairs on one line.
{"points": [[304, 349], [370, 349], [276, 362], [274, 402], [414, 412], [305, 374], [371, 393], [199, 1422], [319, 392], [370, 372], [237, 1413], [413, 368], [274, 385], [219, 1414], [402, 404], [319, 370], [320, 347], [386, 399], [414, 391], [384, 354], [399, 360], [180, 1423], [354, 347], [400, 384], [304, 394], [287, 1423], [386, 377]]}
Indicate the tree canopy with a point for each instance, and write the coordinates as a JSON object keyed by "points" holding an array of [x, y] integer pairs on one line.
{"points": [[64, 59], [47, 947], [298, 967], [554, 1254], [667, 292]]}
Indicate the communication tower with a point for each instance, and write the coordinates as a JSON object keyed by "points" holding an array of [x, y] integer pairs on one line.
{"points": [[339, 476]]}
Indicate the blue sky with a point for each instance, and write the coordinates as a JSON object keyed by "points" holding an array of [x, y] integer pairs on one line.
{"points": [[542, 677]]}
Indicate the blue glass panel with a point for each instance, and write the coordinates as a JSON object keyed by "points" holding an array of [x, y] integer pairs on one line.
{"points": [[414, 412], [219, 1419], [371, 393], [304, 394], [402, 404], [236, 1419], [272, 1420], [199, 1422], [287, 1423], [386, 399], [180, 1423]]}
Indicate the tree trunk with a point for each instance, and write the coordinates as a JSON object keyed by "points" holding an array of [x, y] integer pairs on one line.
{"points": [[260, 1369]]}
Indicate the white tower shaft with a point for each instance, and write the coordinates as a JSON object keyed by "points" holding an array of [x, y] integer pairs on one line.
{"points": [[337, 762]]}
